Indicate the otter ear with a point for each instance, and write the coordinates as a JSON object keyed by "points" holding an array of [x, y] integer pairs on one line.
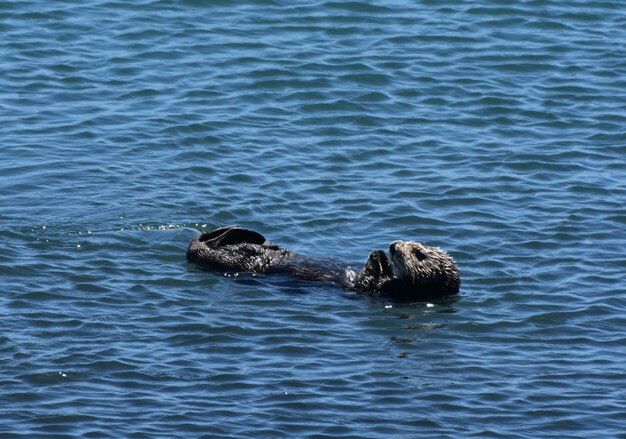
{"points": [[231, 235]]}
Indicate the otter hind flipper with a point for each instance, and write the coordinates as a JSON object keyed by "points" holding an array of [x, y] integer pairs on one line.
{"points": [[231, 235]]}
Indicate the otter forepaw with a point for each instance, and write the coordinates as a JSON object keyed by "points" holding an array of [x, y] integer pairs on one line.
{"points": [[378, 264]]}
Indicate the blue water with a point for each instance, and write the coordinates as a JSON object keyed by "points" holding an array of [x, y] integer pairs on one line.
{"points": [[495, 130]]}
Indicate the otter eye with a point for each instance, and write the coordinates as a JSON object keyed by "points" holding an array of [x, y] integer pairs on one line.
{"points": [[420, 255]]}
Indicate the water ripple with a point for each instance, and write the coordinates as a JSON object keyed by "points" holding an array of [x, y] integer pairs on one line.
{"points": [[493, 130]]}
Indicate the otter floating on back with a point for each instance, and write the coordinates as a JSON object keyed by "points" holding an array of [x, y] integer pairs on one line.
{"points": [[413, 271]]}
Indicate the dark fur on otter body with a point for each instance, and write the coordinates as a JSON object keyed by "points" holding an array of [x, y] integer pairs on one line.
{"points": [[413, 271]]}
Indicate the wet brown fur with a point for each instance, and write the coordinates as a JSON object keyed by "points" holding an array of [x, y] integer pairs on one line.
{"points": [[413, 271]]}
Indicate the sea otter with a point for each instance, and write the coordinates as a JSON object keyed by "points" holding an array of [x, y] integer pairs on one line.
{"points": [[412, 271]]}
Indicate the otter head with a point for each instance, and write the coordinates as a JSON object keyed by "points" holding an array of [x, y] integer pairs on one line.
{"points": [[423, 268]]}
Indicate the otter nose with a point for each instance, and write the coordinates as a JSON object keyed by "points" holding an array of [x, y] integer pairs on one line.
{"points": [[392, 247]]}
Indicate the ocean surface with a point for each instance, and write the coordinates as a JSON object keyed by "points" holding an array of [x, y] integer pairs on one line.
{"points": [[493, 129]]}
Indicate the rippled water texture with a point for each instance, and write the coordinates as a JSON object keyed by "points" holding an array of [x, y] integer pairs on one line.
{"points": [[496, 130]]}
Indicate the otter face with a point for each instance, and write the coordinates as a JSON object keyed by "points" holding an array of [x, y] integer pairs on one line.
{"points": [[420, 266]]}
